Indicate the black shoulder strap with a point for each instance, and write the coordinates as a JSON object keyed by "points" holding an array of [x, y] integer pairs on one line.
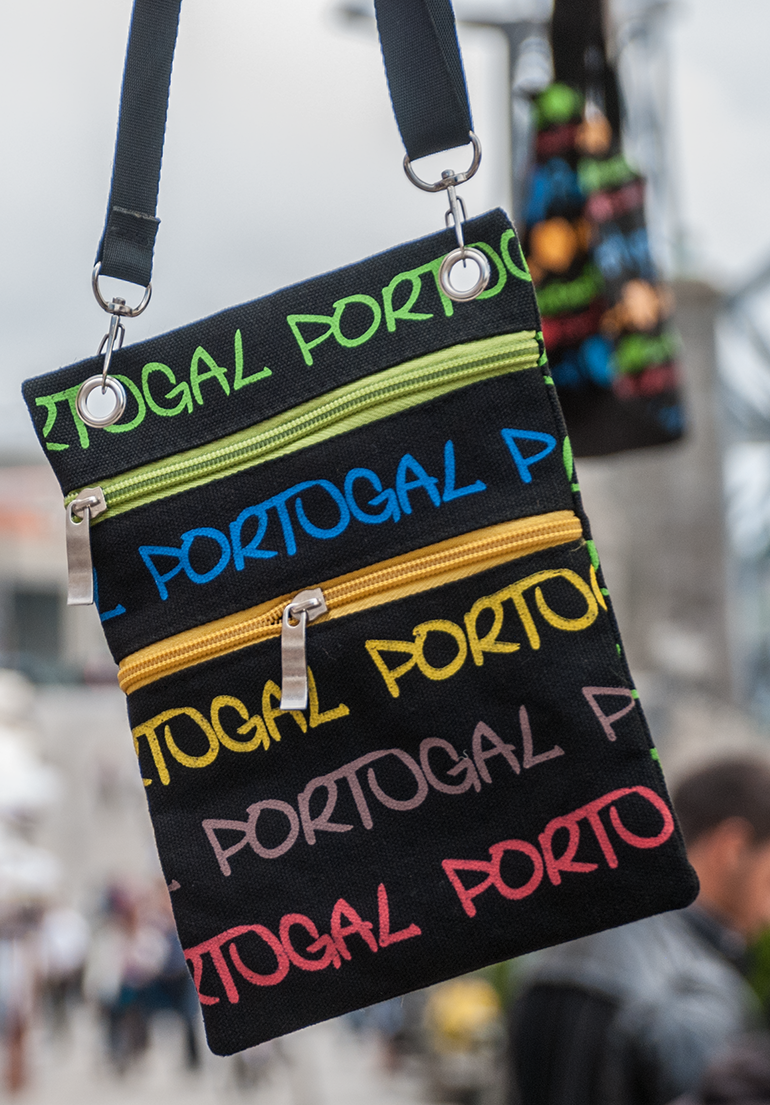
{"points": [[125, 250], [425, 74], [427, 88], [579, 52]]}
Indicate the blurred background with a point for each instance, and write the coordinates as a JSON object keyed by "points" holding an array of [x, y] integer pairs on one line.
{"points": [[282, 160]]}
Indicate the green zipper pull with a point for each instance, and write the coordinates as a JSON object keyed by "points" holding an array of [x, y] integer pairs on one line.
{"points": [[303, 608], [80, 573]]}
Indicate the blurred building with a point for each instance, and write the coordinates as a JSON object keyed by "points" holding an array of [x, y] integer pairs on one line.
{"points": [[658, 517], [39, 634]]}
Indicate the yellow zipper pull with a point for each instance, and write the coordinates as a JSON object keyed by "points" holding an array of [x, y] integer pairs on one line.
{"points": [[80, 574], [303, 608]]}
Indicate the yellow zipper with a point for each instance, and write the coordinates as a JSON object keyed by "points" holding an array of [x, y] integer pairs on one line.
{"points": [[387, 581]]}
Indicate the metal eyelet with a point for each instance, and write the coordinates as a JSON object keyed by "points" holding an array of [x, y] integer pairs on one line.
{"points": [[461, 253], [106, 383]]}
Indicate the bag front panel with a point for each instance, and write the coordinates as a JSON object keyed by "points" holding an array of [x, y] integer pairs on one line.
{"points": [[473, 779], [458, 463], [316, 859]]}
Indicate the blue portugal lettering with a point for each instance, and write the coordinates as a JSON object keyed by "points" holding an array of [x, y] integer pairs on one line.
{"points": [[276, 526]]}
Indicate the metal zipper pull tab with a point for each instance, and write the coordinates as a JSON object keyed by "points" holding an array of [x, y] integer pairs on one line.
{"points": [[303, 608], [80, 574]]}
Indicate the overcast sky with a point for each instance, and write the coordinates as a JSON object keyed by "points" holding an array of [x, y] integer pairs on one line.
{"points": [[282, 158]]}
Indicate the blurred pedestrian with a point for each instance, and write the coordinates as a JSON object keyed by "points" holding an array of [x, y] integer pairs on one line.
{"points": [[633, 1016], [171, 989], [18, 983], [63, 946], [127, 954], [740, 1077]]}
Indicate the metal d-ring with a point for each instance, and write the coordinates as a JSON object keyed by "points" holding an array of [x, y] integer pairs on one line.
{"points": [[463, 253], [105, 383], [450, 177], [118, 306]]}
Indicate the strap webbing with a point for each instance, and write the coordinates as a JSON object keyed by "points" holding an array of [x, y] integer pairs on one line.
{"points": [[125, 250], [427, 88], [425, 74]]}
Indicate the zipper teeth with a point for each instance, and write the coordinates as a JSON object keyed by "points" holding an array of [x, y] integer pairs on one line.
{"points": [[220, 459], [369, 583], [430, 564], [177, 472]]}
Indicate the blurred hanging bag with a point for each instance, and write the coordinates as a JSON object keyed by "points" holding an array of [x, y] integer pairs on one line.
{"points": [[378, 697], [612, 351]]}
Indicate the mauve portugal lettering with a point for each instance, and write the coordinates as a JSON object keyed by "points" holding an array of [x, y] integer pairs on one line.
{"points": [[297, 944], [546, 860], [439, 765]]}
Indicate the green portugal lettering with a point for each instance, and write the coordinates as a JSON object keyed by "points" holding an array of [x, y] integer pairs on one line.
{"points": [[165, 392], [160, 393], [332, 324], [403, 301], [51, 405]]}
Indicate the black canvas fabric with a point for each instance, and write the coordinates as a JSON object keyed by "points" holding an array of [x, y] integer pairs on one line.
{"points": [[341, 807], [606, 321], [523, 735], [472, 777]]}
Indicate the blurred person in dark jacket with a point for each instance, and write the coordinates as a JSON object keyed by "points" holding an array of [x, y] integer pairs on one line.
{"points": [[634, 1015], [740, 1077]]}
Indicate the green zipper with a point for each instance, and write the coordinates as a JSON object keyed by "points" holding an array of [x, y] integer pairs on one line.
{"points": [[346, 408]]}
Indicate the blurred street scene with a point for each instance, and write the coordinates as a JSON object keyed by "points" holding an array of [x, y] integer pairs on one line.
{"points": [[96, 1003]]}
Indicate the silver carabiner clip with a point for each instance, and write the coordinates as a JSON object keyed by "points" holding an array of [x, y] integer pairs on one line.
{"points": [[117, 309], [448, 183], [457, 215], [112, 340]]}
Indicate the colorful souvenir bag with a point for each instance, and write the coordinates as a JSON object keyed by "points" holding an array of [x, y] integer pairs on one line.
{"points": [[378, 696], [611, 348]]}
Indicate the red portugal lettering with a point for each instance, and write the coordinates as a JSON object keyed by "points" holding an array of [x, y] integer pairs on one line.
{"points": [[326, 949], [553, 861]]}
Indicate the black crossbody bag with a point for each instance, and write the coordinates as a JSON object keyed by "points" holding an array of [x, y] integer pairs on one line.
{"points": [[612, 348], [378, 696]]}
